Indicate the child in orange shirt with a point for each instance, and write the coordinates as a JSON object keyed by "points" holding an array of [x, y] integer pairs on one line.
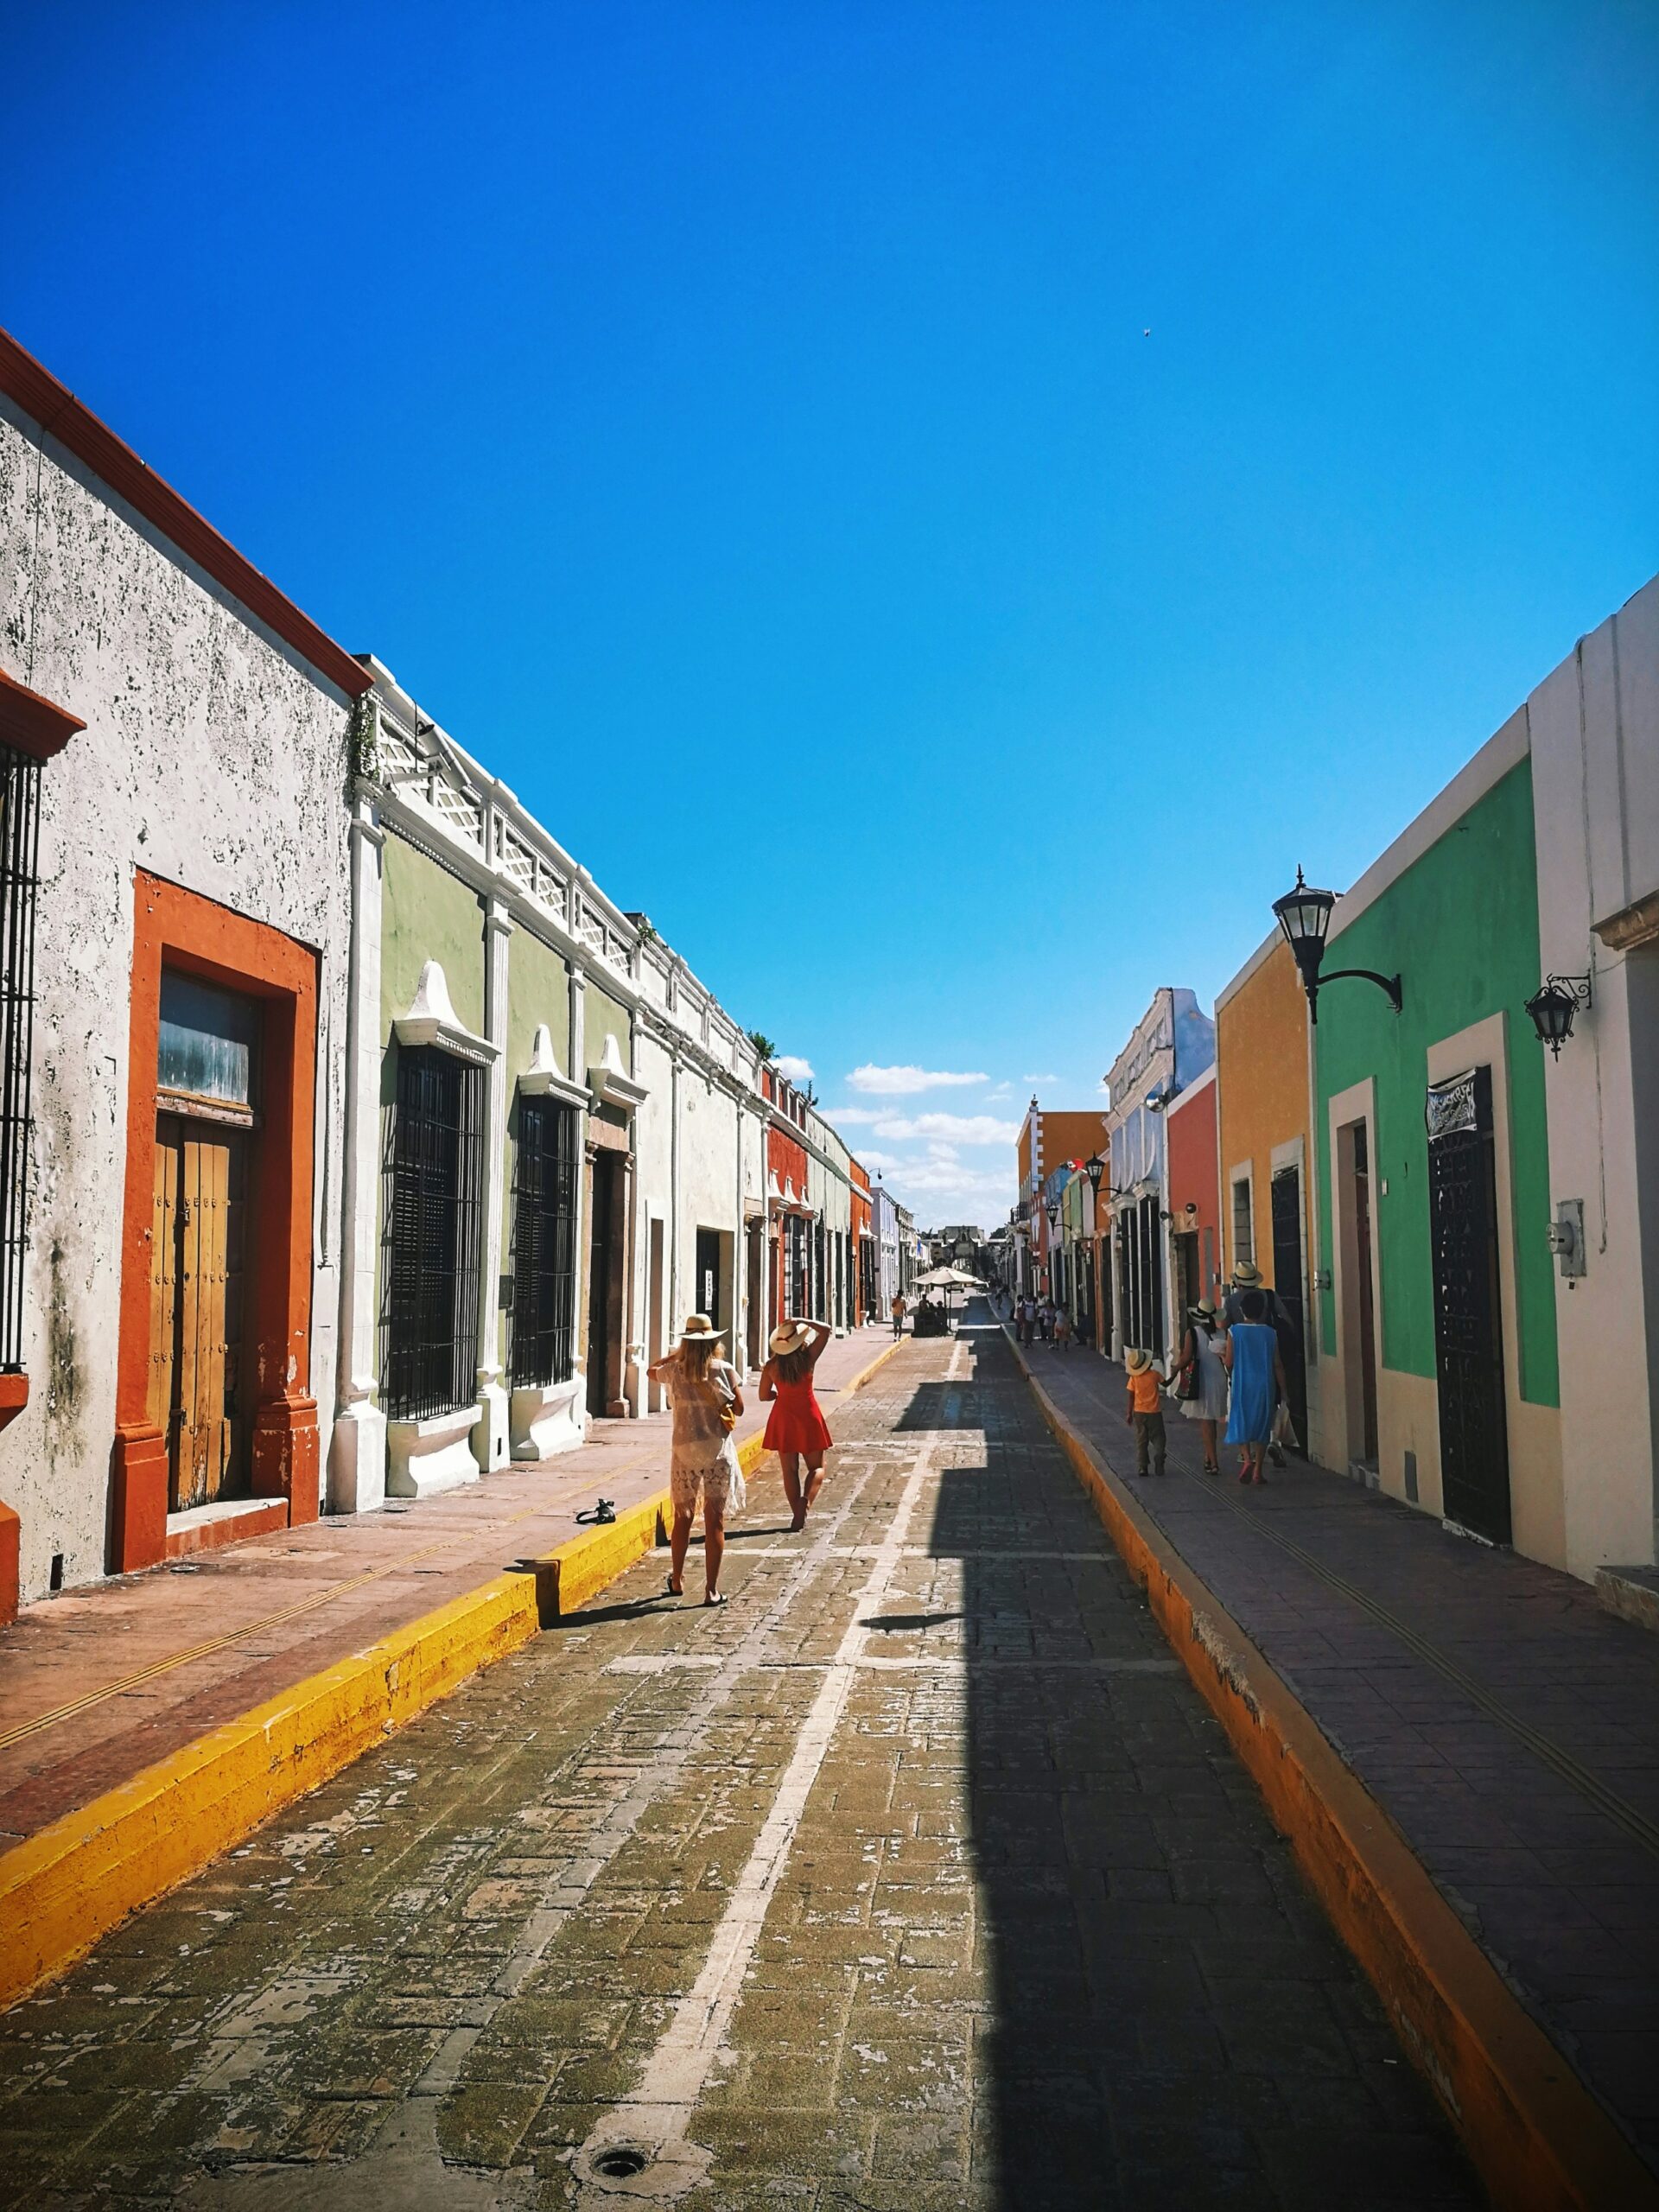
{"points": [[1145, 1412]]}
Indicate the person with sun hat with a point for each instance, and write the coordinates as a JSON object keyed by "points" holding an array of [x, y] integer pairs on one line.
{"points": [[1146, 1412], [796, 1428], [707, 1402]]}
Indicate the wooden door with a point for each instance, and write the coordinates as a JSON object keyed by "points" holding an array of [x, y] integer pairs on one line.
{"points": [[198, 1267]]}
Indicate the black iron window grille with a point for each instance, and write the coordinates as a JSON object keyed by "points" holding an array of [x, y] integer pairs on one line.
{"points": [[543, 1244], [432, 1212], [20, 839]]}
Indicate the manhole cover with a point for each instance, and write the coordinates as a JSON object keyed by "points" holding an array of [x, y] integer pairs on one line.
{"points": [[619, 2164]]}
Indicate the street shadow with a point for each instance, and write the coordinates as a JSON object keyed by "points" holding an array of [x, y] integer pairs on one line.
{"points": [[932, 1405], [1154, 1971]]}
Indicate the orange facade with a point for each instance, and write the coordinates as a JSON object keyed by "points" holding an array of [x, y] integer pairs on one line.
{"points": [[863, 1274], [1047, 1142], [1261, 1063]]}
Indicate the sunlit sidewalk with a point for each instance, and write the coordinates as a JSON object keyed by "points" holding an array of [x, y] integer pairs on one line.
{"points": [[1506, 1723], [99, 1684]]}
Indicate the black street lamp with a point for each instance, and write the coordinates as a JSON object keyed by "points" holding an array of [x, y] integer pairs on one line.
{"points": [[1304, 916], [1095, 1170], [1552, 1006]]}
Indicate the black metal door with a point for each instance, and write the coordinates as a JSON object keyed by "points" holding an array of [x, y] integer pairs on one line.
{"points": [[1468, 1323], [1152, 1278], [602, 1228], [1287, 1192], [431, 1219], [543, 1243]]}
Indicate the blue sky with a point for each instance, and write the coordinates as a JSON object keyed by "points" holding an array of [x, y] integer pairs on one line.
{"points": [[944, 506]]}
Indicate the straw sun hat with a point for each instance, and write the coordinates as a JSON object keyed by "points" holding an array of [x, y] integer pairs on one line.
{"points": [[1137, 1362], [788, 1337], [1246, 1275], [699, 1330]]}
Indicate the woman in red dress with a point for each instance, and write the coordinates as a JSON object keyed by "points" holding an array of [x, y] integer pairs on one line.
{"points": [[796, 1428]]}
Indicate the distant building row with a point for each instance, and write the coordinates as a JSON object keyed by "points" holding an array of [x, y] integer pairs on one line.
{"points": [[351, 1140], [1457, 1203]]}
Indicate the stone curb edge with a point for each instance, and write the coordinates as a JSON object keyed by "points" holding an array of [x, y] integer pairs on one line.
{"points": [[1539, 2139], [63, 1888]]}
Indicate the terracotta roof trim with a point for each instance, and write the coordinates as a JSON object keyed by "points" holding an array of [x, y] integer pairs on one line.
{"points": [[30, 723], [51, 404]]}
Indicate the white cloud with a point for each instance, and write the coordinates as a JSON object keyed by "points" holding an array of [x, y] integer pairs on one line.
{"points": [[792, 1068], [1038, 1081], [895, 1083], [949, 1128]]}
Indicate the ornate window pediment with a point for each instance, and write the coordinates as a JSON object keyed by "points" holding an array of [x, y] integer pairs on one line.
{"points": [[542, 1079], [431, 1019], [610, 1081]]}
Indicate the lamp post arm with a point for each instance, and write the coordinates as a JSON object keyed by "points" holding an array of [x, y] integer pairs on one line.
{"points": [[1389, 983]]}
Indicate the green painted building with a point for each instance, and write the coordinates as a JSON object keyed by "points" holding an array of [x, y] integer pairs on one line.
{"points": [[1435, 1292]]}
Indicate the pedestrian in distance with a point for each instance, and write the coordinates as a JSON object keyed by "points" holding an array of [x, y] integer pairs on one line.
{"points": [[1201, 1379], [1062, 1329], [1046, 1320], [1257, 1374], [707, 1402], [897, 1315], [1145, 1412], [796, 1428]]}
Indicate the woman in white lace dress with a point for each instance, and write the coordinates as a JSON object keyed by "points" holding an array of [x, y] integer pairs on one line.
{"points": [[707, 1402], [1201, 1351]]}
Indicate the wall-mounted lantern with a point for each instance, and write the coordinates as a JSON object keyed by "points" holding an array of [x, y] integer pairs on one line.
{"points": [[1304, 916], [1095, 1170], [1552, 1006]]}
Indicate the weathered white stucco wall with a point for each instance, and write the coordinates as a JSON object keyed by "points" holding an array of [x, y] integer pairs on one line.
{"points": [[214, 758]]}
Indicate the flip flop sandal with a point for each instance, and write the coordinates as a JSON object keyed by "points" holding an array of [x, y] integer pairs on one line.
{"points": [[714, 1598], [669, 1590]]}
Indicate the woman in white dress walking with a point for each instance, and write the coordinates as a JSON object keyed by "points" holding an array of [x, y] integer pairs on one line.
{"points": [[707, 1403], [1201, 1369]]}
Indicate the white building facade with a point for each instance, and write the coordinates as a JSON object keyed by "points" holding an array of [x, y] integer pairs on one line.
{"points": [[173, 1188]]}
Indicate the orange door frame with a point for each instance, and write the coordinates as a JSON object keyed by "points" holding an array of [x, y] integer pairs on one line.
{"points": [[180, 929]]}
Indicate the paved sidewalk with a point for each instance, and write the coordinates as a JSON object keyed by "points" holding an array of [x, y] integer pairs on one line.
{"points": [[918, 1877], [1506, 1723], [100, 1683]]}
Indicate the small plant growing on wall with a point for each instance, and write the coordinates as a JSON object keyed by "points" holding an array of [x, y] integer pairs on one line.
{"points": [[763, 1044], [365, 739]]}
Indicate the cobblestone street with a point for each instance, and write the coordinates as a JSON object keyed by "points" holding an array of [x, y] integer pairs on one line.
{"points": [[919, 1876]]}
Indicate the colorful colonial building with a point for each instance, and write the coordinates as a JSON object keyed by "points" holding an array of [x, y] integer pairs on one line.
{"points": [[1262, 1146], [175, 744]]}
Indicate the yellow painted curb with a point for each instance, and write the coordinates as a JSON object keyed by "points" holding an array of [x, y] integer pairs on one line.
{"points": [[66, 1886], [573, 1572], [1539, 2139], [880, 1360]]}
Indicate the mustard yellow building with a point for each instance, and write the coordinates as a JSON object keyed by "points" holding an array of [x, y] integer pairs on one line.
{"points": [[1262, 1099]]}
